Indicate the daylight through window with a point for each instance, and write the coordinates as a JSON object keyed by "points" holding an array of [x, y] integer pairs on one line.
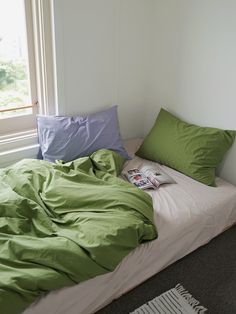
{"points": [[15, 90]]}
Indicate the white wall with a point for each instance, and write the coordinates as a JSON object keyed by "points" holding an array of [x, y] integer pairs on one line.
{"points": [[103, 49], [144, 54], [195, 69]]}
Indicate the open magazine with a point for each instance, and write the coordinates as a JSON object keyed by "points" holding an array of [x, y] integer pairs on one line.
{"points": [[147, 177]]}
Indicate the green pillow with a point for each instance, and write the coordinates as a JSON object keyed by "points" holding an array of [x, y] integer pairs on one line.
{"points": [[190, 149]]}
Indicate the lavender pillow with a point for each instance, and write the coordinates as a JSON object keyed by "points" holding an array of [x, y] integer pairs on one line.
{"points": [[67, 138]]}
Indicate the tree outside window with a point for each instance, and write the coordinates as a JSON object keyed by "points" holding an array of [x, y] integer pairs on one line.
{"points": [[14, 77]]}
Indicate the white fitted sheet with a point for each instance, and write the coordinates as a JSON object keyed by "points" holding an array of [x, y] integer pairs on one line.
{"points": [[187, 214]]}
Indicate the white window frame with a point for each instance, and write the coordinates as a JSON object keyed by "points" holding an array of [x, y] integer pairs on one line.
{"points": [[45, 56], [39, 21]]}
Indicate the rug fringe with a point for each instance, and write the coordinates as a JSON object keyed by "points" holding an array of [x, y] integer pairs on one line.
{"points": [[199, 309]]}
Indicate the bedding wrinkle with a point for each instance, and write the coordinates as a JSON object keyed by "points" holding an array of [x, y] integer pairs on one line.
{"points": [[187, 214], [80, 225]]}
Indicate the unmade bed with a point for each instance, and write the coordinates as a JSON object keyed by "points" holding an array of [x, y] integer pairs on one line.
{"points": [[188, 214]]}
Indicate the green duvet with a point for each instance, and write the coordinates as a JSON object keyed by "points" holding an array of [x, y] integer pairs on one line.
{"points": [[61, 224]]}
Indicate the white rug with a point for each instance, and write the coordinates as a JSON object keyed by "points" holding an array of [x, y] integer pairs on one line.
{"points": [[174, 301]]}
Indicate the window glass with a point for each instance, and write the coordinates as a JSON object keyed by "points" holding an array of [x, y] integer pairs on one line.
{"points": [[14, 74]]}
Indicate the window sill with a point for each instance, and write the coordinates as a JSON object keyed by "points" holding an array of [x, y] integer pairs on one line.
{"points": [[14, 147], [18, 140]]}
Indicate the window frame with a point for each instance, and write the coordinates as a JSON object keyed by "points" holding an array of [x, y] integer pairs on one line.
{"points": [[20, 131]]}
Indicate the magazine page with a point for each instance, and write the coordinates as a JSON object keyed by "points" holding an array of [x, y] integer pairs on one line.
{"points": [[156, 176], [136, 177]]}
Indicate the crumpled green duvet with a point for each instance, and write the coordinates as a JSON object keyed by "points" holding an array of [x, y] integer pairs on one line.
{"points": [[61, 224]]}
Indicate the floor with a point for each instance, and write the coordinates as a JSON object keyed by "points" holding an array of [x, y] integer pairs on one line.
{"points": [[209, 274]]}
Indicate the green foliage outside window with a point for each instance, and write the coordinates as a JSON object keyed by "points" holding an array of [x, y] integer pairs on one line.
{"points": [[14, 88], [11, 72]]}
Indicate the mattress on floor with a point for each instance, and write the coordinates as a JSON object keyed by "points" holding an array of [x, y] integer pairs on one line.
{"points": [[188, 214]]}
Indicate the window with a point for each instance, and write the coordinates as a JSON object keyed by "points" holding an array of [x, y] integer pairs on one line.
{"points": [[18, 96], [27, 84]]}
